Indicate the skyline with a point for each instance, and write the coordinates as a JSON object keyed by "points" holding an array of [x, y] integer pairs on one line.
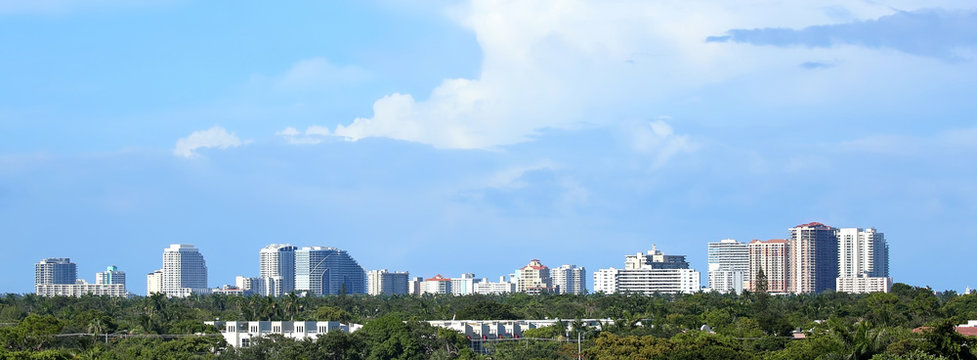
{"points": [[444, 137]]}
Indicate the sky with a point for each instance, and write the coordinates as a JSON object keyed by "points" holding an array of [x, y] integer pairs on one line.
{"points": [[446, 137]]}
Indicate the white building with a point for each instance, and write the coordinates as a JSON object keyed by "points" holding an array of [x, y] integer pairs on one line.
{"points": [[534, 278], [569, 279], [729, 262], [55, 271], [863, 261], [184, 271], [415, 286], [277, 263], [154, 282], [242, 333], [436, 285], [111, 275], [863, 284], [465, 285], [503, 329], [485, 287], [383, 282], [81, 288], [648, 274]]}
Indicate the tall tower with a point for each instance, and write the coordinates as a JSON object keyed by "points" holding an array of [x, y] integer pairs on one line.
{"points": [[813, 258], [184, 270], [862, 252], [328, 271], [773, 257], [569, 279], [534, 278], [277, 261], [55, 271], [729, 263], [111, 275]]}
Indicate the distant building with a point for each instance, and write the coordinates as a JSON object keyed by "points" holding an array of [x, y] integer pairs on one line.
{"points": [[80, 288], [436, 285], [383, 282], [242, 334], [228, 290], [415, 286], [485, 287], [569, 279], [111, 275], [813, 258], [55, 271], [649, 273], [276, 263], [772, 257], [729, 262], [863, 261], [328, 271], [154, 282], [534, 278], [464, 285], [184, 271]]}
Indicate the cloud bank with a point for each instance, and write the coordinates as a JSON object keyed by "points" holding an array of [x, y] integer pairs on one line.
{"points": [[215, 137]]}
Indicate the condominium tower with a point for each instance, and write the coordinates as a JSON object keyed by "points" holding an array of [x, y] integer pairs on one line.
{"points": [[863, 261], [534, 278], [55, 271], [383, 282], [773, 258], [328, 271], [111, 275], [276, 266], [813, 258], [569, 279], [649, 273], [184, 271], [729, 262]]}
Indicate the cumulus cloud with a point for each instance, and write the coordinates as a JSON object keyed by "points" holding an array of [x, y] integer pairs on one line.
{"points": [[573, 64], [312, 135], [215, 137]]}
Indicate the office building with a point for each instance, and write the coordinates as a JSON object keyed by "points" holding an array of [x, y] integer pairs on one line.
{"points": [[328, 271], [534, 278], [813, 258], [729, 262], [383, 282], [55, 271], [569, 279], [653, 272], [184, 271], [277, 265], [772, 257], [863, 261], [485, 287], [154, 282], [111, 275], [436, 285]]}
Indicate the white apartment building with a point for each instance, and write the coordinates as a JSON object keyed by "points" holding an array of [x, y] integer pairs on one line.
{"points": [[465, 285], [81, 288], [242, 333], [569, 279], [534, 278], [184, 271], [111, 275], [729, 262], [154, 282], [648, 274], [863, 284], [485, 287], [276, 262], [55, 271], [502, 329], [436, 285], [383, 282]]}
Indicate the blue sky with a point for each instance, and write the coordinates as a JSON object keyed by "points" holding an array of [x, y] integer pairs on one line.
{"points": [[456, 136]]}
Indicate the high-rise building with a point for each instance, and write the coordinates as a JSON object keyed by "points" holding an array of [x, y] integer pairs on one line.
{"points": [[729, 262], [184, 271], [649, 273], [111, 275], [154, 282], [863, 261], [277, 265], [534, 278], [813, 258], [436, 285], [569, 279], [328, 271], [773, 258], [415, 286], [464, 285], [55, 271], [383, 282]]}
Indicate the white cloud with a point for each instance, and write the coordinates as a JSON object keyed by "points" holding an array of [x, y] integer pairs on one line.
{"points": [[312, 135], [215, 137], [658, 139], [567, 64]]}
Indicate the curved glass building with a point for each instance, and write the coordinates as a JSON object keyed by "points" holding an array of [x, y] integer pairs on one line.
{"points": [[328, 271]]}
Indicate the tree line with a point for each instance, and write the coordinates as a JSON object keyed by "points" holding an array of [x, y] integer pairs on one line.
{"points": [[747, 326]]}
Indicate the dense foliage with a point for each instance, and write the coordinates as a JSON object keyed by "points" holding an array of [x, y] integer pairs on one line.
{"points": [[748, 326]]}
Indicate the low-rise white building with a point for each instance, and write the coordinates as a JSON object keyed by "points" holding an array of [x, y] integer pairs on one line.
{"points": [[81, 288], [501, 329], [863, 284], [485, 287], [436, 285], [242, 333], [648, 274]]}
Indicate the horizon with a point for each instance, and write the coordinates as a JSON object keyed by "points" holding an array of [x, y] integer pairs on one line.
{"points": [[459, 137]]}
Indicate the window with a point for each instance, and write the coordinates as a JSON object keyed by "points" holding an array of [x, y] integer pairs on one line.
{"points": [[245, 343]]}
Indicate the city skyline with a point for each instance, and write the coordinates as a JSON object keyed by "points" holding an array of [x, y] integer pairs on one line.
{"points": [[470, 136]]}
